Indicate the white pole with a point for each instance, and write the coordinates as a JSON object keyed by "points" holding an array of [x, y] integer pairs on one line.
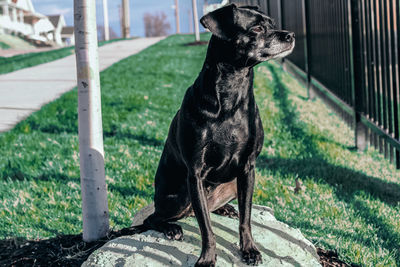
{"points": [[6, 10], [190, 16], [177, 16], [106, 24], [196, 21], [121, 19], [126, 19], [93, 183]]}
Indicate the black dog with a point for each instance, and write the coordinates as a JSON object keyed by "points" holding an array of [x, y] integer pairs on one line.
{"points": [[214, 139]]}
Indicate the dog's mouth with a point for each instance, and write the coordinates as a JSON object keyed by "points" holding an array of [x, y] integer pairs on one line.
{"points": [[285, 52]]}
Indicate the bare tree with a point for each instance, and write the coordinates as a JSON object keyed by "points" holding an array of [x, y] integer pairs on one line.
{"points": [[91, 151], [156, 24]]}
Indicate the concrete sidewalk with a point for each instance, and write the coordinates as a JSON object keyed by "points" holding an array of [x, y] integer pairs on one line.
{"points": [[25, 91]]}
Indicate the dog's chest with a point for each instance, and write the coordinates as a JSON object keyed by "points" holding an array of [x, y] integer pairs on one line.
{"points": [[232, 132], [230, 144]]}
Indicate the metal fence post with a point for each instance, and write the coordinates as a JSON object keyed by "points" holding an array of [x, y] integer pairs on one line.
{"points": [[307, 49], [396, 70], [357, 77], [280, 12], [310, 94]]}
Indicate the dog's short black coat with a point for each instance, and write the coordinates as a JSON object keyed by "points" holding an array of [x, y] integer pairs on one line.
{"points": [[214, 139]]}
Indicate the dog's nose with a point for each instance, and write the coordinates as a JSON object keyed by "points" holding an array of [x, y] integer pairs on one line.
{"points": [[289, 37]]}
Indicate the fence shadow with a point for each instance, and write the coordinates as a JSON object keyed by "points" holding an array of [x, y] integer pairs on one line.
{"points": [[314, 164], [346, 182]]}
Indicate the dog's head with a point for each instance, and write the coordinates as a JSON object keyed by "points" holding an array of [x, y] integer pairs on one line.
{"points": [[250, 31]]}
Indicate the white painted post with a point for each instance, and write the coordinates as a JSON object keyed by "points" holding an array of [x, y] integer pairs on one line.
{"points": [[177, 16], [6, 10], [196, 21], [14, 14], [125, 19], [93, 183], [106, 24], [190, 16], [21, 16]]}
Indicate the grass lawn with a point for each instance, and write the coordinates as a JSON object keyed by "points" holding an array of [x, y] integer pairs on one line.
{"points": [[14, 42], [9, 64], [350, 200], [4, 45]]}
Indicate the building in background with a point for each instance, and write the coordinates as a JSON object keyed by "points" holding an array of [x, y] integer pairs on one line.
{"points": [[67, 35], [211, 5], [58, 22], [18, 17]]}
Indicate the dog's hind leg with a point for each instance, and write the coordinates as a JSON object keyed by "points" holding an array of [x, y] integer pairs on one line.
{"points": [[219, 197], [228, 211], [171, 200], [171, 231], [167, 209]]}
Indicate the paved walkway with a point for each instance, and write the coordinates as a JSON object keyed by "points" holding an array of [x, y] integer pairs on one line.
{"points": [[25, 91]]}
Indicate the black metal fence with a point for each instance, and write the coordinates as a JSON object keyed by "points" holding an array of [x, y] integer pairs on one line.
{"points": [[347, 52]]}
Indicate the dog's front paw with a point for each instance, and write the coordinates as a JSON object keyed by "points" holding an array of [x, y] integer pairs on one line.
{"points": [[173, 231], [206, 261], [251, 256]]}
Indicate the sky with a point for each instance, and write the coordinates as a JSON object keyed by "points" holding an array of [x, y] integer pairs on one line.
{"points": [[137, 8]]}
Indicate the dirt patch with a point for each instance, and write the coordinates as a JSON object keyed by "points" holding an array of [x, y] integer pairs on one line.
{"points": [[71, 250], [63, 250], [329, 258], [196, 43]]}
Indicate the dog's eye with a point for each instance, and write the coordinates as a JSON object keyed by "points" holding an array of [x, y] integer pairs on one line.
{"points": [[257, 29]]}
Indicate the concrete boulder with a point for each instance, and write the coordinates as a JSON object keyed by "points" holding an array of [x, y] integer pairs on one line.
{"points": [[279, 244]]}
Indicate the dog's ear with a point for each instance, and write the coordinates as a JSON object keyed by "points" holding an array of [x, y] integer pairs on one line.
{"points": [[220, 22]]}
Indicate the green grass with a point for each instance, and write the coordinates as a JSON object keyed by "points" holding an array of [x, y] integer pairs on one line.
{"points": [[4, 45], [350, 200], [15, 42], [9, 64]]}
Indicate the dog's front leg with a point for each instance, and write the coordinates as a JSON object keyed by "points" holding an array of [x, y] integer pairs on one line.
{"points": [[199, 204], [245, 187]]}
